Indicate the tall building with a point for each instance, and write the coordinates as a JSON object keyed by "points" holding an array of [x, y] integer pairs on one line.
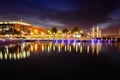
{"points": [[96, 32], [93, 32]]}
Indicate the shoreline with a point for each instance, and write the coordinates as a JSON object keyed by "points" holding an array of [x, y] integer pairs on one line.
{"points": [[5, 41]]}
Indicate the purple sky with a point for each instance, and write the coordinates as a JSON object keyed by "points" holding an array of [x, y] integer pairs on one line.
{"points": [[60, 13]]}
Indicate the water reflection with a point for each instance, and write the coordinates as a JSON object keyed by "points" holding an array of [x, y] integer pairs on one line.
{"points": [[24, 50], [15, 51]]}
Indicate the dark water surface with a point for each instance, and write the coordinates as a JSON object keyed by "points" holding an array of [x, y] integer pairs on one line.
{"points": [[60, 60]]}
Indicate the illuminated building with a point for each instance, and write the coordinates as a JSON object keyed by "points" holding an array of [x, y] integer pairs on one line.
{"points": [[96, 32], [19, 27]]}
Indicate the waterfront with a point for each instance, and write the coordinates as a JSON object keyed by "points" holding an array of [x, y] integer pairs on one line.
{"points": [[53, 59]]}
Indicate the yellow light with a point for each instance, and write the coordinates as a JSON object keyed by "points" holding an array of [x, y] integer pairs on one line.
{"points": [[81, 49], [81, 31], [1, 55], [10, 56], [59, 31], [42, 33], [31, 33], [18, 29], [14, 56], [5, 56]]}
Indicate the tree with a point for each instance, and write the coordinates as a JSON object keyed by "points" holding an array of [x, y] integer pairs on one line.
{"points": [[54, 30], [65, 30], [75, 29]]}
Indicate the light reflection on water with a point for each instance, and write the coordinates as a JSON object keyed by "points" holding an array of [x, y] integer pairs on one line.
{"points": [[24, 50]]}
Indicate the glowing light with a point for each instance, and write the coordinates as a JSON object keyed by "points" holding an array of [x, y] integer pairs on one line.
{"points": [[65, 48], [31, 33], [68, 41], [53, 48], [76, 48], [24, 54], [56, 41], [48, 49], [62, 41], [109, 41], [5, 55], [18, 56], [92, 41], [99, 41], [74, 41], [81, 49], [88, 49], [70, 48], [81, 31], [28, 53], [1, 55], [10, 56], [43, 48], [14, 56], [59, 48], [36, 47]]}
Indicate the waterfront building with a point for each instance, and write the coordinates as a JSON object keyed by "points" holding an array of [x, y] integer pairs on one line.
{"points": [[19, 27]]}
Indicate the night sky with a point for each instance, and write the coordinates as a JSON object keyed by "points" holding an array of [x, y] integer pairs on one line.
{"points": [[60, 13]]}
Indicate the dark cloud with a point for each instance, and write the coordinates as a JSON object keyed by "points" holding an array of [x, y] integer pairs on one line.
{"points": [[60, 12]]}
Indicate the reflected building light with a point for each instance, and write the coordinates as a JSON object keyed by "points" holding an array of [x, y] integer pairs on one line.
{"points": [[81, 49], [79, 44], [22, 46], [43, 48], [24, 54], [53, 47], [70, 48], [59, 48], [28, 53], [31, 48], [7, 49], [76, 48], [21, 56], [88, 49], [36, 47], [10, 56], [1, 55], [109, 41], [5, 56], [14, 56], [18, 56], [48, 48], [67, 47], [74, 45]]}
